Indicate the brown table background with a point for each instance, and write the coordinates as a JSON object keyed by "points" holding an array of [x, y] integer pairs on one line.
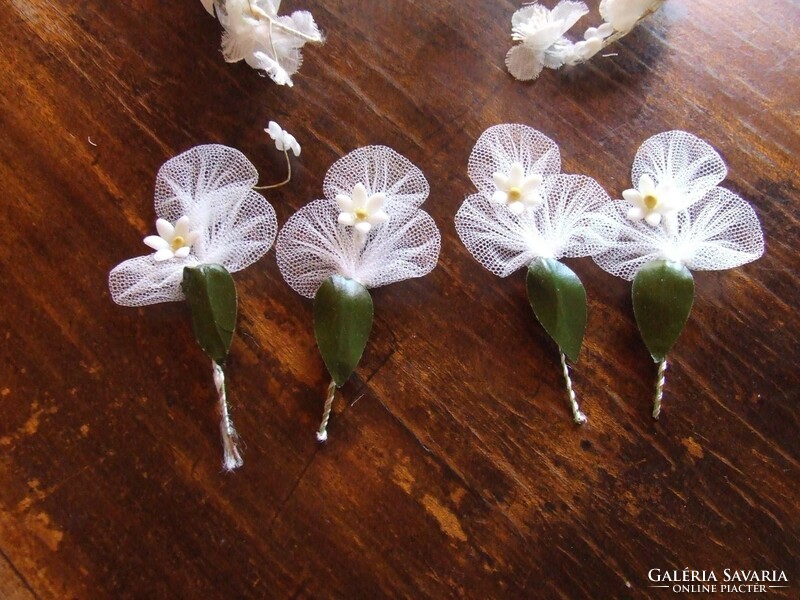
{"points": [[453, 468]]}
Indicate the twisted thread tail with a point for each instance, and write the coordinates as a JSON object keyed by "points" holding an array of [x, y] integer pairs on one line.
{"points": [[231, 457], [322, 432], [661, 379], [577, 415]]}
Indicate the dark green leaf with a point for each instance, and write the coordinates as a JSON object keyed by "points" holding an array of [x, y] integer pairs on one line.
{"points": [[559, 302], [211, 296], [342, 322], [663, 292]]}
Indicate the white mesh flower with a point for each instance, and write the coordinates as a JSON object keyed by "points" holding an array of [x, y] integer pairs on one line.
{"points": [[315, 244], [566, 225], [671, 171], [541, 32], [706, 227], [207, 192], [256, 34]]}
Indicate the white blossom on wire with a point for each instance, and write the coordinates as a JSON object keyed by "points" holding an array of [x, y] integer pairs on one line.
{"points": [[207, 191], [284, 141], [317, 242], [706, 227], [255, 33]]}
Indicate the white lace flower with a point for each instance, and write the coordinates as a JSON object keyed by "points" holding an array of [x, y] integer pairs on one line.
{"points": [[623, 15], [256, 34], [712, 229], [517, 190], [672, 171], [172, 241], [566, 225], [541, 32], [314, 244], [360, 210], [207, 191], [284, 141]]}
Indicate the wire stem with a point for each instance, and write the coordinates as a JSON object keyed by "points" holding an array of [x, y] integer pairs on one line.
{"points": [[661, 379], [231, 457], [577, 415], [322, 432], [282, 183]]}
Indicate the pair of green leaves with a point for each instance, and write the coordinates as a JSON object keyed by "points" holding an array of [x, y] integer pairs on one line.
{"points": [[211, 295], [558, 299], [342, 322], [662, 294]]}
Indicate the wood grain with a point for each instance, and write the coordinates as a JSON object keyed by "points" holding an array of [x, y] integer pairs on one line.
{"points": [[453, 468]]}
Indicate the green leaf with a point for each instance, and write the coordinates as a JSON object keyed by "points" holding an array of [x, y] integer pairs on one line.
{"points": [[211, 296], [342, 322], [663, 292], [559, 302]]}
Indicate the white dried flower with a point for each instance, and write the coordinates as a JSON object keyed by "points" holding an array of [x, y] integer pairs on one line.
{"points": [[707, 227], [517, 190], [541, 32], [317, 242], [284, 141], [623, 15], [360, 210], [256, 34], [208, 192]]}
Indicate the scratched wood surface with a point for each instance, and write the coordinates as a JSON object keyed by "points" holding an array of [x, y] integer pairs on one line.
{"points": [[453, 469]]}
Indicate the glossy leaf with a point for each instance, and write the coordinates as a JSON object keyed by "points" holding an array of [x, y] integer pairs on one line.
{"points": [[342, 322], [663, 293], [211, 296], [558, 299]]}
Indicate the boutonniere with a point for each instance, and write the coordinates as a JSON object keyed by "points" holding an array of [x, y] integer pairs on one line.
{"points": [[675, 220], [528, 214], [367, 232], [210, 223]]}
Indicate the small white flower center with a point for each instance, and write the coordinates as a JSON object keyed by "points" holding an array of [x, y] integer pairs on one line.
{"points": [[514, 194], [178, 242], [650, 201], [361, 214]]}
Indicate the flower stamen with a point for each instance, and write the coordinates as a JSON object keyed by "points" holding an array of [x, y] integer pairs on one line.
{"points": [[178, 242], [514, 194], [650, 201]]}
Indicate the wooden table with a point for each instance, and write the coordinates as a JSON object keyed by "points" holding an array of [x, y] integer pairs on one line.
{"points": [[453, 468]]}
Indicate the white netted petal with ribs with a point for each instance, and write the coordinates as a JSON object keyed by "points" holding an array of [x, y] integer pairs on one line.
{"points": [[312, 246], [212, 185], [501, 146], [379, 169], [682, 159], [567, 224], [721, 231]]}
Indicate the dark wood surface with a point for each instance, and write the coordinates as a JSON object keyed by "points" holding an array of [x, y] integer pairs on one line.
{"points": [[453, 469]]}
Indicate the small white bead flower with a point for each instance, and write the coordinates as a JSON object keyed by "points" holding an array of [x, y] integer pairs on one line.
{"points": [[360, 210], [593, 41], [207, 192], [333, 236], [707, 227], [653, 203], [284, 141], [516, 189], [623, 15], [172, 241], [541, 32]]}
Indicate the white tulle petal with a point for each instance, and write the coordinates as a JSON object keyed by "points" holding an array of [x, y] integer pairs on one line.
{"points": [[567, 224], [524, 63], [143, 280], [499, 147], [691, 165], [199, 177], [380, 170]]}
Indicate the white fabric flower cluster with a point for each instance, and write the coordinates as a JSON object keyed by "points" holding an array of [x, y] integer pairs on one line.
{"points": [[219, 219], [256, 34], [540, 32], [562, 222], [678, 213], [368, 228]]}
